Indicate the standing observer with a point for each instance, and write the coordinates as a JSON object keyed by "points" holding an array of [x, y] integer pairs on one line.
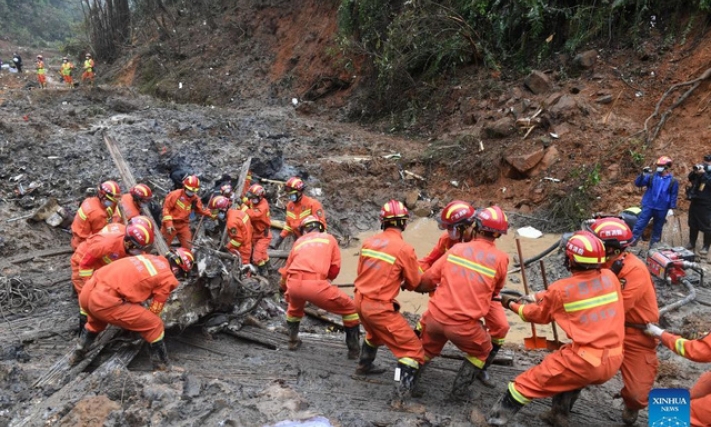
{"points": [[700, 208]]}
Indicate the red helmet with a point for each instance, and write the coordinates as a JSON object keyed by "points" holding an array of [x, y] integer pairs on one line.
{"points": [[295, 184], [141, 220], [192, 183], [585, 249], [226, 190], [141, 192], [309, 223], [456, 213], [140, 235], [110, 190], [256, 191], [492, 219], [183, 258], [220, 203], [664, 161], [614, 232], [393, 210]]}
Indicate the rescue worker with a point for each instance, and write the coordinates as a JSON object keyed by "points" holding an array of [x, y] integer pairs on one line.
{"points": [[17, 60], [65, 70], [239, 227], [115, 294], [385, 264], [102, 249], [95, 212], [41, 72], [698, 350], [467, 278], [177, 207], [298, 208], [130, 203], [257, 208], [659, 200], [639, 364], [457, 218], [700, 207], [88, 70], [588, 306], [314, 261]]}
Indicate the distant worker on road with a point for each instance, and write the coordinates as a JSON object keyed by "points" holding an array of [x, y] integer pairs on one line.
{"points": [[95, 212], [177, 207], [41, 72], [257, 207], [66, 72], [659, 200], [131, 203], [88, 70], [298, 208], [17, 60]]}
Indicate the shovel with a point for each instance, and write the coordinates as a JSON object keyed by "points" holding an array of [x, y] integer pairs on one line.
{"points": [[555, 344], [534, 341]]}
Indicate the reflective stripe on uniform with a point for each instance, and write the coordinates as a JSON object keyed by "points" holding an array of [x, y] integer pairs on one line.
{"points": [[182, 205], [168, 218], [324, 241], [149, 265], [293, 319], [86, 273], [350, 317], [378, 255], [162, 334], [498, 341], [591, 302], [679, 347], [235, 243], [518, 396], [476, 361], [520, 312], [291, 215], [81, 213], [106, 259], [305, 213], [409, 362], [469, 265]]}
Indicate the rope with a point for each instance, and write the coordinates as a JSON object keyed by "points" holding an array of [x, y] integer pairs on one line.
{"points": [[18, 296]]}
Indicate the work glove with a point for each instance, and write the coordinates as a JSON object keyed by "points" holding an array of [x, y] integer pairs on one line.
{"points": [[670, 212], [508, 296], [276, 242], [653, 330], [170, 230]]}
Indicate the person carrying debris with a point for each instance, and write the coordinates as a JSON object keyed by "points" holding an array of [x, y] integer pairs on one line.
{"points": [[298, 208], [588, 306], [116, 293], [640, 364], [467, 278], [65, 70], [659, 200], [457, 218], [257, 208], [102, 249], [17, 60], [131, 203], [313, 262], [239, 227], [700, 207], [41, 72], [386, 265], [88, 70], [177, 206], [698, 350], [95, 212]]}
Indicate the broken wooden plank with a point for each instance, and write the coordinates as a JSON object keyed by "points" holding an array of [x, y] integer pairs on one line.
{"points": [[266, 338], [32, 255]]}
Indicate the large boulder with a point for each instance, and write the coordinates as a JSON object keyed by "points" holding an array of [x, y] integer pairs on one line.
{"points": [[566, 107], [537, 82], [585, 60], [551, 156], [523, 163], [505, 126]]}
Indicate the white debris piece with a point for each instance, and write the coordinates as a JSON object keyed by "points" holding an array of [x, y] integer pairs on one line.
{"points": [[529, 232]]}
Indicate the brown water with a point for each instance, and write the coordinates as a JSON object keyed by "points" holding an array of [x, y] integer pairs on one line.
{"points": [[422, 234]]}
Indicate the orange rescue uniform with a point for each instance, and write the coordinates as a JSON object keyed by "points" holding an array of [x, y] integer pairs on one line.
{"points": [[443, 245], [128, 208], [239, 231], [588, 307], [115, 293], [176, 213], [640, 364], [385, 262], [41, 73], [297, 211], [97, 251], [698, 351], [261, 220], [469, 276], [91, 217], [314, 260]]}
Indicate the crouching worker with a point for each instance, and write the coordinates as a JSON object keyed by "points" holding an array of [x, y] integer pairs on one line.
{"points": [[588, 306], [314, 260], [115, 293]]}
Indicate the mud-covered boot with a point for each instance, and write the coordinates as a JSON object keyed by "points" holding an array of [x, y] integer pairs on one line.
{"points": [[504, 410], [629, 416], [465, 377], [353, 342], [82, 321], [558, 415], [85, 339], [408, 381], [264, 269], [365, 363], [159, 356], [294, 341], [483, 375], [419, 390]]}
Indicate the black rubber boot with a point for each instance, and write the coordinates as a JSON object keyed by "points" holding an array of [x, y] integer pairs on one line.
{"points": [[465, 377], [82, 321], [408, 381], [504, 410], [85, 340], [365, 363], [483, 376], [353, 342], [264, 269], [419, 391], [159, 356], [629, 416], [294, 341], [560, 409]]}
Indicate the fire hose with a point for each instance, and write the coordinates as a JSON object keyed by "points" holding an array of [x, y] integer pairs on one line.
{"points": [[687, 284]]}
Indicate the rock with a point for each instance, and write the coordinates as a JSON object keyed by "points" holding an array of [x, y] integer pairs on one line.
{"points": [[606, 99], [524, 209], [525, 162], [585, 60], [422, 209], [411, 198], [613, 172], [566, 107], [505, 126], [553, 98], [191, 387], [305, 107], [537, 82], [551, 155]]}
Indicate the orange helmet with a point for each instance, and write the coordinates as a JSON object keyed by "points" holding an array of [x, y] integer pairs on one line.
{"points": [[256, 191], [310, 223], [141, 192], [140, 235], [614, 232], [182, 257], [109, 190], [192, 183], [141, 220], [219, 203], [455, 214], [492, 220], [664, 161], [585, 250], [295, 184]]}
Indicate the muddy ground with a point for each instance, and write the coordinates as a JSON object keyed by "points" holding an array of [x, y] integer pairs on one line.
{"points": [[53, 138]]}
